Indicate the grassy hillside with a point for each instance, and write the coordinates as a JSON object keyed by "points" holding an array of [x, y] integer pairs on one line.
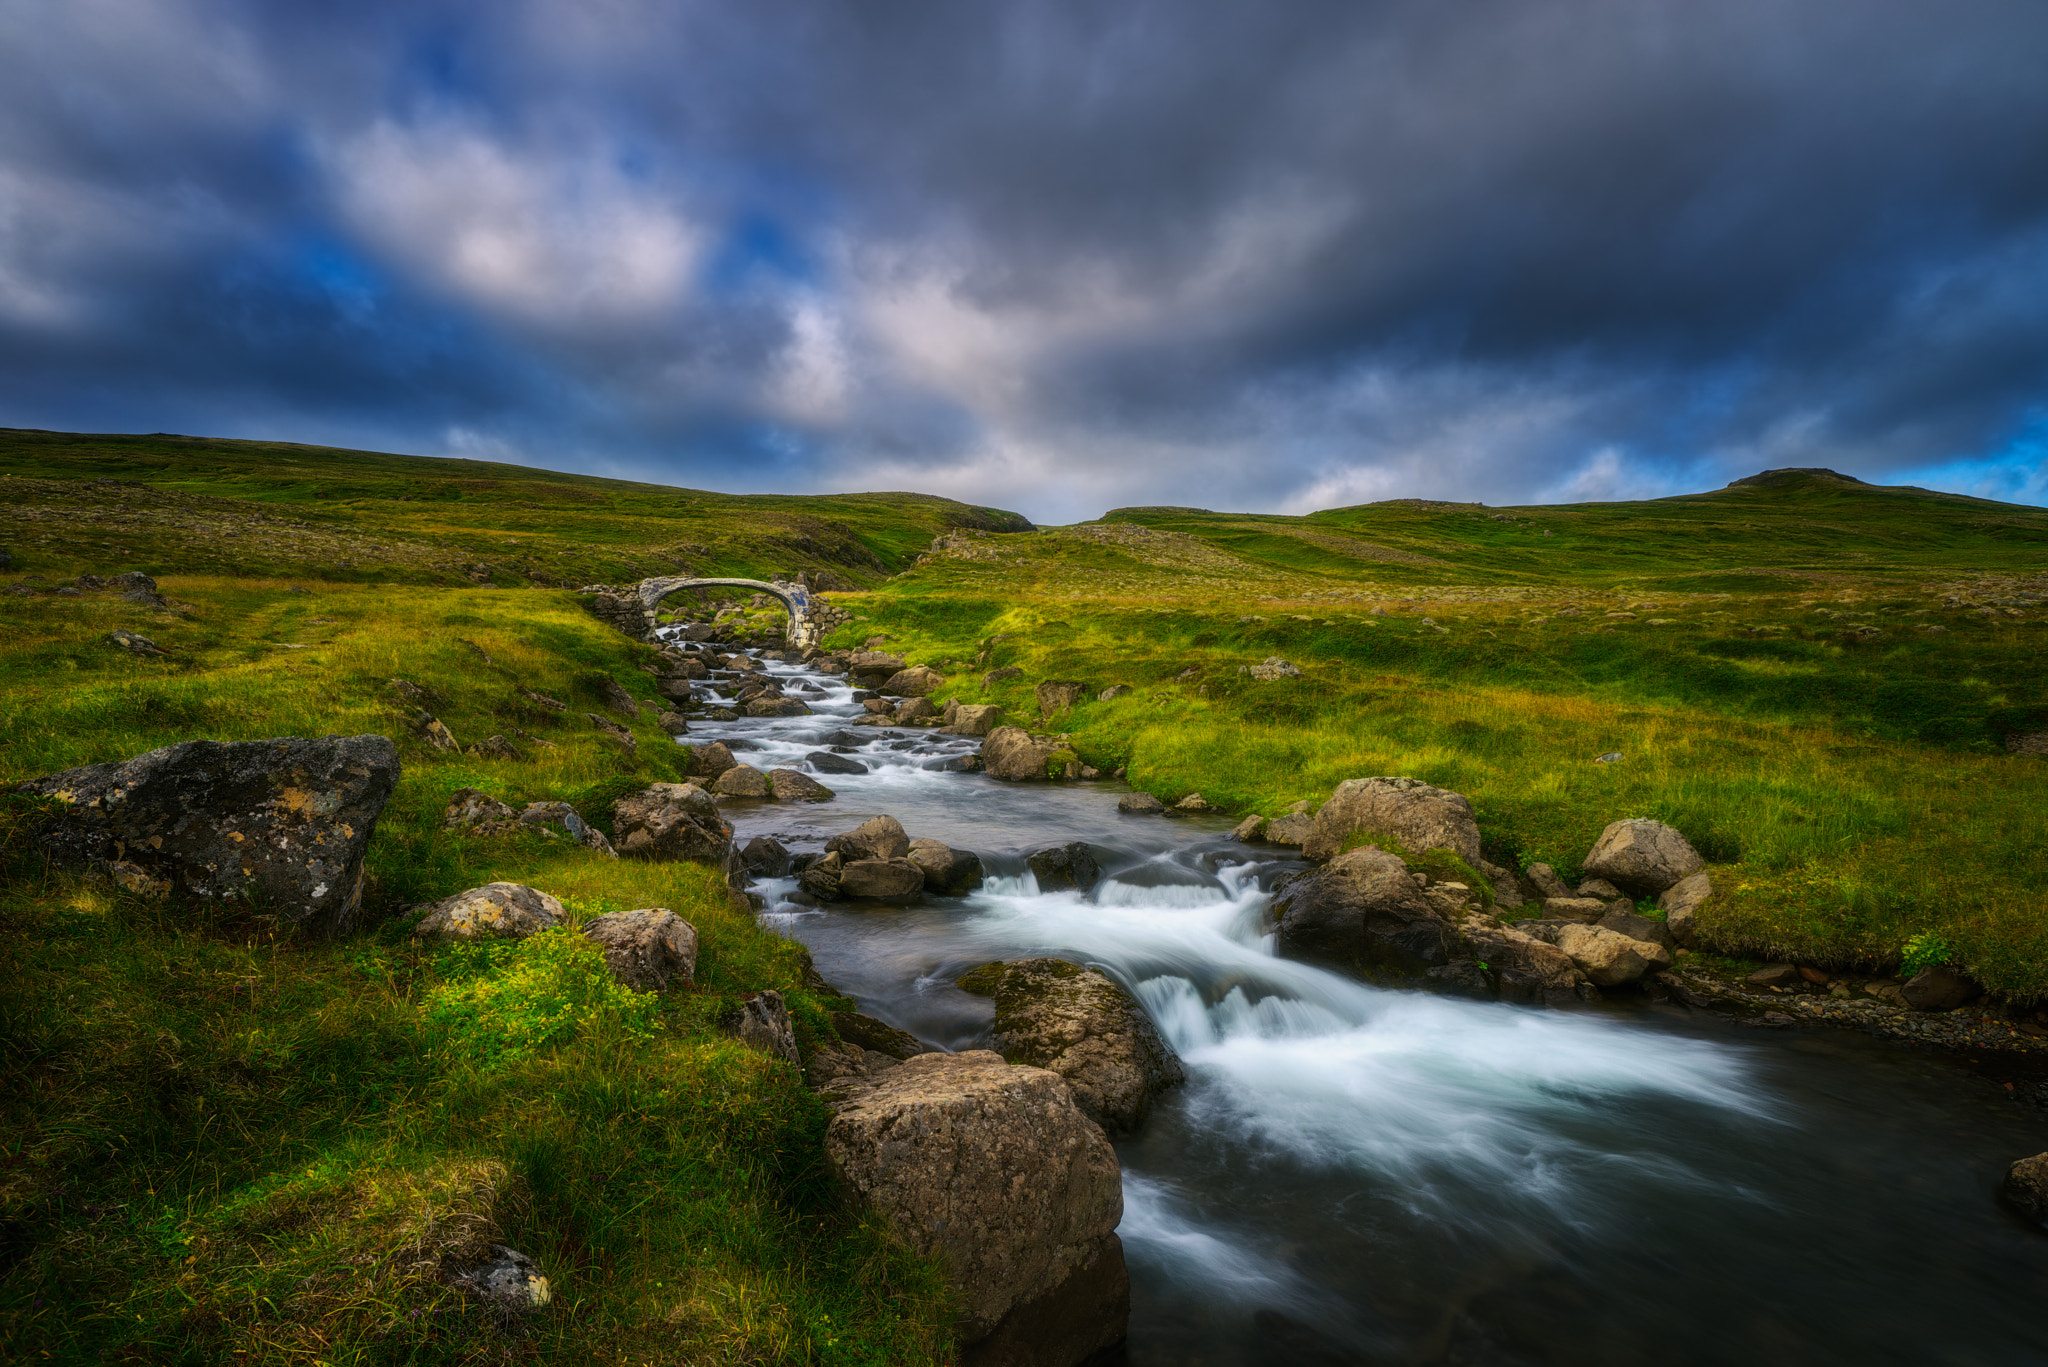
{"points": [[192, 505], [1815, 678]]}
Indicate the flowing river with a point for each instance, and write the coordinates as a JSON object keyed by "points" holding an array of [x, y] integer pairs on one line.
{"points": [[1355, 1174]]}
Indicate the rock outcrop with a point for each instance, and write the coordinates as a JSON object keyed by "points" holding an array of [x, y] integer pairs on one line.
{"points": [[282, 823], [994, 1171], [1363, 911], [1642, 857], [647, 950], [1078, 1023], [1418, 815], [495, 911]]}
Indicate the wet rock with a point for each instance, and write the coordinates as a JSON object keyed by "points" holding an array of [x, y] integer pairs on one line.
{"points": [[1525, 968], [1460, 978], [1608, 958], [915, 710], [1642, 857], [1681, 902], [1057, 695], [281, 822], [914, 682], [614, 730], [762, 1022], [996, 1173], [1418, 815], [1010, 753], [825, 762], [1140, 804], [647, 950], [742, 780], [766, 856], [494, 747], [947, 872], [821, 877], [1636, 927], [794, 785], [874, 1036], [2025, 1188], [1547, 882], [954, 764], [562, 815], [1249, 829], [510, 1282], [672, 821], [879, 837], [1078, 1023], [1363, 911], [1775, 975], [1272, 668], [1294, 830], [675, 688], [495, 911], [1059, 867], [468, 807], [881, 880], [708, 761], [1937, 989]]}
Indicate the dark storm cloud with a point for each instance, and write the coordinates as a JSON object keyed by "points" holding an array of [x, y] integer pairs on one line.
{"points": [[1055, 255]]}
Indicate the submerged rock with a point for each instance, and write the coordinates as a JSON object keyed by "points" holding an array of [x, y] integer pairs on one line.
{"points": [[995, 1172], [1078, 1023], [281, 822]]}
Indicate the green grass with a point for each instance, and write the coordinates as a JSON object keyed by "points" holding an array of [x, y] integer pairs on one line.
{"points": [[221, 1145]]}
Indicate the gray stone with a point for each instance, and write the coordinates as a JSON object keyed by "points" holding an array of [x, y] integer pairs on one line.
{"points": [[468, 807], [994, 1172], [510, 1282], [1775, 975], [1586, 910], [1274, 668], [1642, 857], [821, 878], [1600, 888], [494, 747], [762, 1023], [775, 705], [973, 719], [1140, 804], [914, 682], [881, 880], [1060, 867], [1363, 911], [1078, 1023], [614, 730], [647, 950], [794, 785], [618, 699], [495, 911], [913, 710], [1251, 828], [879, 837], [283, 823], [1636, 927], [1418, 815], [134, 644], [871, 1035], [1681, 902], [1194, 804], [1003, 675], [1525, 968], [947, 872], [707, 762], [1507, 891], [1112, 693]]}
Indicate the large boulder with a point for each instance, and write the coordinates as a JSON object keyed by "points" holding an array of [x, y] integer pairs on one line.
{"points": [[1642, 857], [283, 823], [1607, 957], [1295, 829], [1939, 988], [1525, 969], [2025, 1188], [1059, 867], [914, 682], [881, 880], [821, 878], [947, 872], [794, 785], [1363, 911], [1010, 753], [1077, 1023], [996, 1173], [647, 950], [708, 761], [879, 837], [973, 719], [495, 911], [742, 780], [767, 857], [1680, 904], [672, 821], [1420, 816]]}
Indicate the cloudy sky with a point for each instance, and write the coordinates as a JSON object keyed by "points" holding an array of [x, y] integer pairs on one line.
{"points": [[1055, 255]]}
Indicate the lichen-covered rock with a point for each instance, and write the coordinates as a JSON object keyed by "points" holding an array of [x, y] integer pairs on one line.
{"points": [[281, 822], [1011, 754], [469, 807], [1609, 958], [495, 911], [1642, 857], [742, 780], [794, 785], [511, 1282], [1057, 695], [1272, 668], [647, 950], [879, 837], [995, 1171], [879, 1037], [947, 872], [762, 1022], [1060, 867], [494, 747], [1418, 815], [1078, 1023], [1251, 828], [974, 719], [881, 880], [672, 821], [1363, 911], [614, 730]]}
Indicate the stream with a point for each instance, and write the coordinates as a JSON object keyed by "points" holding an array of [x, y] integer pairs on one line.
{"points": [[1362, 1175]]}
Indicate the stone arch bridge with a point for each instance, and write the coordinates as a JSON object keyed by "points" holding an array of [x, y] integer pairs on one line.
{"points": [[804, 631]]}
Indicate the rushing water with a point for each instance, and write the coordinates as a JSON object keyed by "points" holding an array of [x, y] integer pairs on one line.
{"points": [[1354, 1174]]}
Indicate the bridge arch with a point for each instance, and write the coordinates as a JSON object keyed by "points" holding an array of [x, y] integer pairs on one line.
{"points": [[795, 599]]}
